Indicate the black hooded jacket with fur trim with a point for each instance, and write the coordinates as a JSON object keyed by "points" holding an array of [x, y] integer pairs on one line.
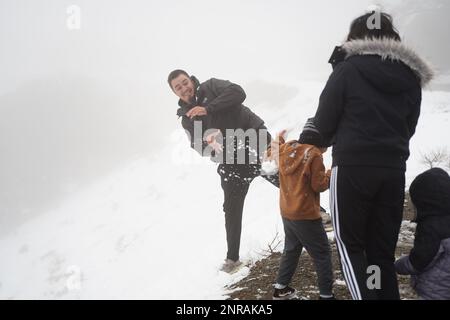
{"points": [[370, 105]]}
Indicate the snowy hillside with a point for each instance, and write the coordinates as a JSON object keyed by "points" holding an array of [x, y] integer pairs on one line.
{"points": [[154, 229]]}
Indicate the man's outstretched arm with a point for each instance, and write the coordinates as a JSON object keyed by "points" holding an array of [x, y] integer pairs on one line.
{"points": [[229, 95]]}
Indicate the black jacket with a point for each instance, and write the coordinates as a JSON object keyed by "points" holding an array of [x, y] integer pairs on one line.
{"points": [[430, 193], [223, 102], [370, 105]]}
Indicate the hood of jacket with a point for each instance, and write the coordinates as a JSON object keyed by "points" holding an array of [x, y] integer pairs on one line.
{"points": [[398, 70], [289, 160], [430, 193]]}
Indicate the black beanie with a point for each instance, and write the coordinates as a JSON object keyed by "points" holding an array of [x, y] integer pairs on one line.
{"points": [[310, 135]]}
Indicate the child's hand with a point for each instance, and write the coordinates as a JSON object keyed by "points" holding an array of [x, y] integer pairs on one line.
{"points": [[267, 155], [274, 151], [281, 135], [275, 147]]}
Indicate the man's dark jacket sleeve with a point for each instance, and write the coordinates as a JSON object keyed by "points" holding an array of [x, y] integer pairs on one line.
{"points": [[229, 95], [414, 117]]}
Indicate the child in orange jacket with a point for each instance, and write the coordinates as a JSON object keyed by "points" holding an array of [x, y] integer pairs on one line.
{"points": [[302, 179]]}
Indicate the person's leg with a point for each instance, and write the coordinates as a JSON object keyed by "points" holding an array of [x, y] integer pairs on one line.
{"points": [[235, 189], [351, 203], [291, 254], [384, 227], [314, 238]]}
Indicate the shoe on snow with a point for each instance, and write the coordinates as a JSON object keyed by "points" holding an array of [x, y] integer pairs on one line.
{"points": [[231, 266]]}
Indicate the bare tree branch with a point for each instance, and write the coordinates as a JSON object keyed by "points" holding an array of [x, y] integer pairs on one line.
{"points": [[272, 246], [436, 157]]}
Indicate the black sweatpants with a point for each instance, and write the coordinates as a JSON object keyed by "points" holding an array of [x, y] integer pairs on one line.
{"points": [[367, 206], [235, 181]]}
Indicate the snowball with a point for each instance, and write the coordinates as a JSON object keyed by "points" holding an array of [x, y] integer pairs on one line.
{"points": [[269, 168]]}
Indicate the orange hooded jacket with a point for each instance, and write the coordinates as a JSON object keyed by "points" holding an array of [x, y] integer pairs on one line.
{"points": [[302, 178]]}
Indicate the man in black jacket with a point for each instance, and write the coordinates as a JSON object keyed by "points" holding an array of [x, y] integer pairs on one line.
{"points": [[219, 126], [368, 111]]}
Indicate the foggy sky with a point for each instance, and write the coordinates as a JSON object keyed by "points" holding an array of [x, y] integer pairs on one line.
{"points": [[75, 104]]}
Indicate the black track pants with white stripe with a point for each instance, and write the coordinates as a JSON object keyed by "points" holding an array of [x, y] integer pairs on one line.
{"points": [[367, 206]]}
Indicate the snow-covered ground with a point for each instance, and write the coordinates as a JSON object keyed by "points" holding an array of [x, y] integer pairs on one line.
{"points": [[155, 228]]}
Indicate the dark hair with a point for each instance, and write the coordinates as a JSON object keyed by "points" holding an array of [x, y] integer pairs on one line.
{"points": [[359, 28], [174, 74]]}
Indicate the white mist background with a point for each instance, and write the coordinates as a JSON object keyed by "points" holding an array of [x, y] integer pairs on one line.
{"points": [[90, 170], [76, 104]]}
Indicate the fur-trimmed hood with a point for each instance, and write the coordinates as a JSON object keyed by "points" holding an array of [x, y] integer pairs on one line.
{"points": [[390, 49]]}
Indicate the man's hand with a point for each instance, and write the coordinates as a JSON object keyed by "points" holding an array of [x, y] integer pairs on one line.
{"points": [[211, 140], [196, 111]]}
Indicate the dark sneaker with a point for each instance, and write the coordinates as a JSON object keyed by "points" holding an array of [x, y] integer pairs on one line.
{"points": [[287, 293], [231, 266]]}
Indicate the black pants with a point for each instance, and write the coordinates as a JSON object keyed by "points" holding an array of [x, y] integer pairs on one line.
{"points": [[366, 206], [235, 181]]}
